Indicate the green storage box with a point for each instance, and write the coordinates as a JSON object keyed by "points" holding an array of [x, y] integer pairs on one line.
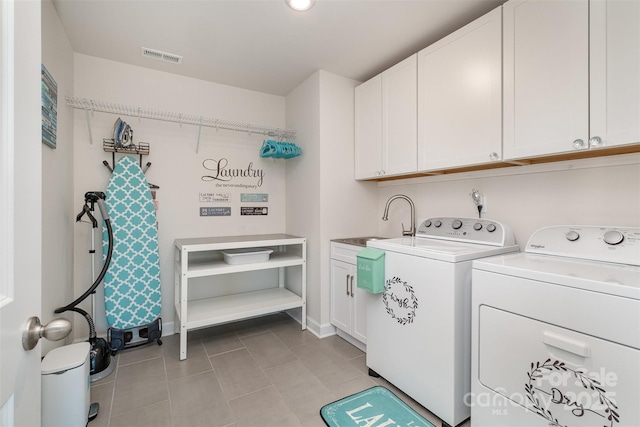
{"points": [[371, 270]]}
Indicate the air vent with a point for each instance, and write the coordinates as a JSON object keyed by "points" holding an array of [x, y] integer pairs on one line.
{"points": [[161, 56]]}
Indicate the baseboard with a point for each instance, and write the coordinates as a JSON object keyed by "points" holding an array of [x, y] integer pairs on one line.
{"points": [[167, 329], [320, 331], [345, 336]]}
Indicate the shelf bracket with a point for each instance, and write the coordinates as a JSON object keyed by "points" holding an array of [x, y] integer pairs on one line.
{"points": [[86, 112], [199, 132]]}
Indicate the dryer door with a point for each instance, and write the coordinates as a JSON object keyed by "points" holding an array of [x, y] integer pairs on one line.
{"points": [[565, 377]]}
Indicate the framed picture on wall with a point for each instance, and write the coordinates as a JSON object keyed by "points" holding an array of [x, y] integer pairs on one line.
{"points": [[49, 108]]}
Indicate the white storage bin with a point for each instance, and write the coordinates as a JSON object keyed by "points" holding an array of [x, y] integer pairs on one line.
{"points": [[246, 256], [65, 386]]}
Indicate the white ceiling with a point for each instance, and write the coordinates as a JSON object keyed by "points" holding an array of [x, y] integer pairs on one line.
{"points": [[263, 45]]}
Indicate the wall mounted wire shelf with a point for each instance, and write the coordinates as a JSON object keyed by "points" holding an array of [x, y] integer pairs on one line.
{"points": [[91, 105]]}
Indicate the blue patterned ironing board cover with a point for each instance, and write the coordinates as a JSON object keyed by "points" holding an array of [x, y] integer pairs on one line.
{"points": [[132, 283]]}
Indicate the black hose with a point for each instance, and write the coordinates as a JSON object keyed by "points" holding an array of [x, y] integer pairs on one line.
{"points": [[92, 326], [105, 266]]}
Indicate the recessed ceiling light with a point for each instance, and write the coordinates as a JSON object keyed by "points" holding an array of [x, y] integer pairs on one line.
{"points": [[300, 5]]}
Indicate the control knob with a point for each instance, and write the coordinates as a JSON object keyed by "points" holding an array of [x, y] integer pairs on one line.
{"points": [[427, 223], [456, 224], [613, 237], [572, 236], [477, 226], [438, 223], [491, 228]]}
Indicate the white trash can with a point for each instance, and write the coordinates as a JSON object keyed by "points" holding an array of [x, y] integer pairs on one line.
{"points": [[65, 386]]}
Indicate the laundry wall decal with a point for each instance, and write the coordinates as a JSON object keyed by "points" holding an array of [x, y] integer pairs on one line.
{"points": [[219, 170]]}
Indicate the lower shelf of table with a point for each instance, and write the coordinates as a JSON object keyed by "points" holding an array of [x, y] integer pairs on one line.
{"points": [[212, 311], [229, 308]]}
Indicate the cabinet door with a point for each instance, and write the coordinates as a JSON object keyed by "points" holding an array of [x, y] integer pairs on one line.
{"points": [[340, 295], [359, 312], [615, 72], [400, 117], [460, 96], [546, 77], [368, 129]]}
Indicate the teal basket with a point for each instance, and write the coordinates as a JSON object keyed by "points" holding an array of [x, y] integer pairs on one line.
{"points": [[371, 270]]}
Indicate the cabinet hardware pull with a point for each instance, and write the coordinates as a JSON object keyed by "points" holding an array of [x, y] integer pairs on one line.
{"points": [[595, 141], [351, 287], [347, 284]]}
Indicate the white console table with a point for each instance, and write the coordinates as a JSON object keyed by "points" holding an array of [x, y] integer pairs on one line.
{"points": [[202, 257]]}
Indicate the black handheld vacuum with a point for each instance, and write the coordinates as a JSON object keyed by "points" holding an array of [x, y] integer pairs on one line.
{"points": [[100, 354]]}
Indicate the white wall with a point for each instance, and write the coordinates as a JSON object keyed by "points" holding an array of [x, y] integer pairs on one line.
{"points": [[323, 200], [176, 167], [348, 206], [57, 179], [602, 191], [303, 185]]}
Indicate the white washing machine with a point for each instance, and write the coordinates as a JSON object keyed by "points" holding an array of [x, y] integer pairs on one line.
{"points": [[556, 331], [419, 328]]}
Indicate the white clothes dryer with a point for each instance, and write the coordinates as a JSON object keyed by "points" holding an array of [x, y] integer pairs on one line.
{"points": [[556, 331], [419, 328]]}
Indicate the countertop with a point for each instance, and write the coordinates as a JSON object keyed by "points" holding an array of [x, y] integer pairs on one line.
{"points": [[357, 241]]}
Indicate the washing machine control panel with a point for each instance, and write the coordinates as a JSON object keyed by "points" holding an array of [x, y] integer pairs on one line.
{"points": [[469, 230], [608, 244]]}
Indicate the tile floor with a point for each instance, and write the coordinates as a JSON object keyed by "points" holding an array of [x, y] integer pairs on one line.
{"points": [[258, 372]]}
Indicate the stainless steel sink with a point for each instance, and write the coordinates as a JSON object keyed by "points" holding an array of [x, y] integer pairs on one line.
{"points": [[357, 241]]}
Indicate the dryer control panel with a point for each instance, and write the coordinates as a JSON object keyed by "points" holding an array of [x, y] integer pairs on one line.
{"points": [[608, 244], [468, 230]]}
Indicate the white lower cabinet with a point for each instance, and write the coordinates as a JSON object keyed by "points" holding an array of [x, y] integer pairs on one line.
{"points": [[348, 302]]}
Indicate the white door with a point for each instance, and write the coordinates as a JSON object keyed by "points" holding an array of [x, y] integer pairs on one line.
{"points": [[341, 273], [368, 128], [359, 311], [400, 117], [460, 96], [546, 77], [20, 209], [614, 69]]}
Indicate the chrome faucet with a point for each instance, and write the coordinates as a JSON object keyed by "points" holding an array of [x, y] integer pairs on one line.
{"points": [[385, 216]]}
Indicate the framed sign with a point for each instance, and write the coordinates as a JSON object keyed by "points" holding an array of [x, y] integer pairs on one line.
{"points": [[49, 89]]}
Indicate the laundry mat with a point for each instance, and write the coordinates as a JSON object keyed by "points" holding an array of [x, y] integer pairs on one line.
{"points": [[374, 407]]}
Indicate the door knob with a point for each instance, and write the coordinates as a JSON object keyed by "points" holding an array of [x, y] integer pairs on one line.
{"points": [[55, 330]]}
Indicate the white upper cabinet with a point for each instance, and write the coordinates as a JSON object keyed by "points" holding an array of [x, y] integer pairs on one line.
{"points": [[460, 97], [400, 117], [615, 73], [560, 93], [368, 128], [546, 77], [386, 122]]}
